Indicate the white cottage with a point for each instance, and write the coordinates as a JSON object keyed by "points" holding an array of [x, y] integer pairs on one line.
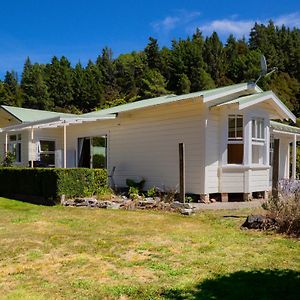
{"points": [[228, 134]]}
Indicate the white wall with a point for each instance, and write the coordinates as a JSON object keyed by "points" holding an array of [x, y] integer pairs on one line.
{"points": [[144, 144]]}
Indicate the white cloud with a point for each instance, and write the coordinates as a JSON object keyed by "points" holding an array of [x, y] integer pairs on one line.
{"points": [[189, 21], [169, 23], [226, 26], [241, 27], [289, 20]]}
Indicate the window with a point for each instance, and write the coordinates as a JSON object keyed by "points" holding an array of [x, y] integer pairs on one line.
{"points": [[46, 153], [92, 152], [235, 146], [271, 149], [15, 146], [235, 127], [258, 141], [258, 132]]}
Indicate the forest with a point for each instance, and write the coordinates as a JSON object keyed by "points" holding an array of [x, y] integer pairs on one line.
{"points": [[188, 65]]}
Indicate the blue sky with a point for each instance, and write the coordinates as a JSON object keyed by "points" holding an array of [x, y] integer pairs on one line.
{"points": [[80, 29]]}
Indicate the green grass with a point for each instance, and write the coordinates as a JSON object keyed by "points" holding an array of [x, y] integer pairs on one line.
{"points": [[79, 253]]}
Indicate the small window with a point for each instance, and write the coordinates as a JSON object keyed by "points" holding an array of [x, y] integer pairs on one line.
{"points": [[235, 127], [15, 146], [235, 147], [258, 129], [46, 153]]}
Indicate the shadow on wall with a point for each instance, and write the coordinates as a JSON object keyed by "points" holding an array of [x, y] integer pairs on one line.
{"points": [[254, 285]]}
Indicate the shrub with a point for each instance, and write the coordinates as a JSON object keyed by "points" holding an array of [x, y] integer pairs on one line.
{"points": [[8, 160], [152, 192], [133, 193], [45, 186], [286, 209], [139, 185]]}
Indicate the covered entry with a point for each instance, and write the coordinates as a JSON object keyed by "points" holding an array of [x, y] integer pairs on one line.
{"points": [[287, 138]]}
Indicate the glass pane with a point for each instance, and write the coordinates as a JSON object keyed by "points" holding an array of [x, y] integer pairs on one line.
{"points": [[253, 129], [262, 135], [239, 125], [235, 153], [48, 159], [12, 138], [47, 145], [19, 137], [99, 152], [18, 152], [231, 127]]}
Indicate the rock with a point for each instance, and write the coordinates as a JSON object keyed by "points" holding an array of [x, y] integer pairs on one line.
{"points": [[212, 200], [114, 205], [124, 198], [91, 201], [176, 204], [203, 200], [79, 200], [187, 205], [147, 202], [187, 211], [103, 204], [260, 222]]}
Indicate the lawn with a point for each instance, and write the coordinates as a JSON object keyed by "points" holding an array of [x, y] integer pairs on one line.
{"points": [[80, 253]]}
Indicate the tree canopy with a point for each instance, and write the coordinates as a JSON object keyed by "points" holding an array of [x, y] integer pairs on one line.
{"points": [[189, 65]]}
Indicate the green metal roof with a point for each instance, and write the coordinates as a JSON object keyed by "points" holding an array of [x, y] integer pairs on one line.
{"points": [[245, 101], [284, 127], [166, 99], [31, 115]]}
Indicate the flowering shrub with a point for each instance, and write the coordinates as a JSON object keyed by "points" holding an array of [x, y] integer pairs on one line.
{"points": [[286, 209]]}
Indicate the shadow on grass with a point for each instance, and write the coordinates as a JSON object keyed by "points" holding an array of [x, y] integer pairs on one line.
{"points": [[261, 284]]}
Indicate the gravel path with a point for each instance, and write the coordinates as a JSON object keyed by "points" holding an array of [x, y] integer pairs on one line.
{"points": [[228, 205]]}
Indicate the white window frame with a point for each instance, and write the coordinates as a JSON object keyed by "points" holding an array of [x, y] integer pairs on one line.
{"points": [[256, 123], [39, 149], [235, 139], [14, 145], [258, 138]]}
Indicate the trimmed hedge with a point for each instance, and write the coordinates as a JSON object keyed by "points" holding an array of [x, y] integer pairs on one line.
{"points": [[45, 185]]}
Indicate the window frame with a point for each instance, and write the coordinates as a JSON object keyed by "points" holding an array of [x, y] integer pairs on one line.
{"points": [[256, 138], [236, 139], [41, 152], [15, 146]]}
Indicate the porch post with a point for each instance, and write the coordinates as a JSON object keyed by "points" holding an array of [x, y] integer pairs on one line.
{"points": [[31, 148], [294, 151], [65, 145], [6, 139]]}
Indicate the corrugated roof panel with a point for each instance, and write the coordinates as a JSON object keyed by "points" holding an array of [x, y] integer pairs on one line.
{"points": [[166, 99], [31, 115], [285, 128]]}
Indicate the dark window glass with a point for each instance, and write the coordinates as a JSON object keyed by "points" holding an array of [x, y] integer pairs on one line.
{"points": [[235, 153]]}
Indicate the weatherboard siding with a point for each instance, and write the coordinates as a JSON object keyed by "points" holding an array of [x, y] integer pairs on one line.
{"points": [[212, 151], [144, 144]]}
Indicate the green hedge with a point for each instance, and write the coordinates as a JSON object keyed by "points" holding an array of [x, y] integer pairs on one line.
{"points": [[45, 186]]}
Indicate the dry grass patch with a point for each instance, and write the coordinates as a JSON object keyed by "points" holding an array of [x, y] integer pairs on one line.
{"points": [[69, 253]]}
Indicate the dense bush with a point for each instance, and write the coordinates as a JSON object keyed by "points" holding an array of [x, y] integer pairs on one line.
{"points": [[45, 186], [286, 209]]}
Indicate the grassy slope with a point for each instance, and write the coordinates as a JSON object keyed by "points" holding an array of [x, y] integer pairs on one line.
{"points": [[79, 253]]}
